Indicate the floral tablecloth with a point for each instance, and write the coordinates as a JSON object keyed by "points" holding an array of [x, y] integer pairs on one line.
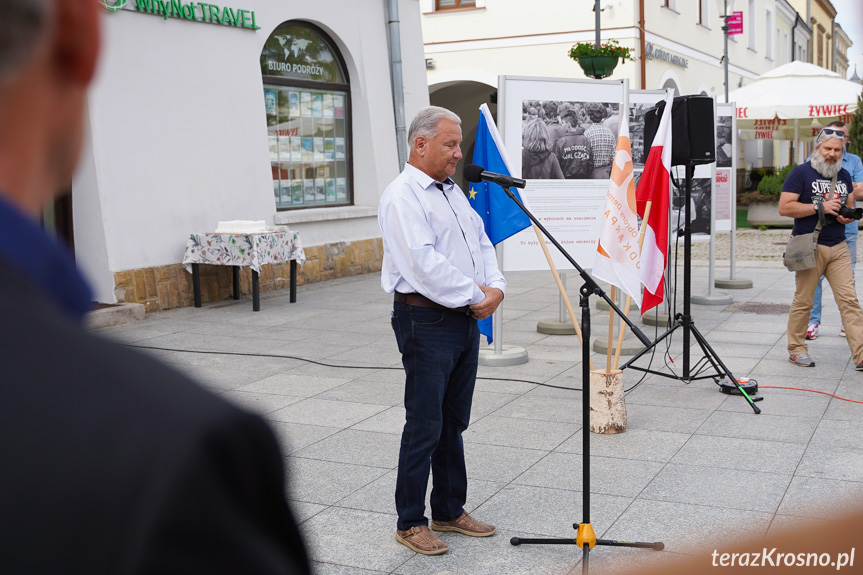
{"points": [[253, 250]]}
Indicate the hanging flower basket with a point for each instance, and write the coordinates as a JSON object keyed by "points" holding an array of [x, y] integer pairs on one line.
{"points": [[598, 66], [599, 61]]}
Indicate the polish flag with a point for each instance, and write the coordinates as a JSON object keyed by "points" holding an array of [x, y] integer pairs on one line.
{"points": [[653, 198]]}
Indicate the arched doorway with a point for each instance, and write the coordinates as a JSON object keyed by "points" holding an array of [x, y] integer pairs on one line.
{"points": [[465, 98]]}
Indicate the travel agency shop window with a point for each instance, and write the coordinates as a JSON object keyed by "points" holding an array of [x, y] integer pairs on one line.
{"points": [[307, 101]]}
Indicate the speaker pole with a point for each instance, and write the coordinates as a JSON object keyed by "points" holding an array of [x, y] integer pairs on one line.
{"points": [[731, 282], [687, 267]]}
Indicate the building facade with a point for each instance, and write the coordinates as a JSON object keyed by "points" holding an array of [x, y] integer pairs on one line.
{"points": [[250, 110], [820, 15], [843, 42], [677, 44]]}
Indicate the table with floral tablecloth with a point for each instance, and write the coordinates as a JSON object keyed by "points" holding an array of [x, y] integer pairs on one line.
{"points": [[237, 250]]}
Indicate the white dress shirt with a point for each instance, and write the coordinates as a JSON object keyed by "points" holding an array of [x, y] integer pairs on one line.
{"points": [[434, 242]]}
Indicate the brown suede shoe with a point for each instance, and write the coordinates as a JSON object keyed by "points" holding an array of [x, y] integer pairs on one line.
{"points": [[465, 524], [421, 540]]}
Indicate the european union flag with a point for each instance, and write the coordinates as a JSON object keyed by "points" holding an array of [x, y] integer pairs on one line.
{"points": [[500, 215]]}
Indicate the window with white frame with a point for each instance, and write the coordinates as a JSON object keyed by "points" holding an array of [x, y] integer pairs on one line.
{"points": [[704, 13], [768, 35], [453, 4], [432, 6]]}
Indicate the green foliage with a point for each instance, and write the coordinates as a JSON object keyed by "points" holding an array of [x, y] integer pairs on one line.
{"points": [[783, 173], [770, 185], [610, 48], [855, 130]]}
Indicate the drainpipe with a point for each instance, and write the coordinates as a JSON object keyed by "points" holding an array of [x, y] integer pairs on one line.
{"points": [[793, 36], [397, 80], [641, 34], [791, 149], [833, 42]]}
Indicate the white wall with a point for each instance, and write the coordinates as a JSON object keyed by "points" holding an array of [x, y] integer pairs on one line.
{"points": [[178, 137]]}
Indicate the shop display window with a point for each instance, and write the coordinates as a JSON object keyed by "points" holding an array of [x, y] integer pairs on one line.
{"points": [[307, 103]]}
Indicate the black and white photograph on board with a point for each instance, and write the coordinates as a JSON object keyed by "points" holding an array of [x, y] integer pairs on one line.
{"points": [[568, 140], [723, 141], [636, 133], [699, 207]]}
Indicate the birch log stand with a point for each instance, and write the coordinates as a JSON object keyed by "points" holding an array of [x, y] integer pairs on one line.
{"points": [[607, 405]]}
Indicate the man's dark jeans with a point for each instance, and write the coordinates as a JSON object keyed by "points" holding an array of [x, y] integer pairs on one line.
{"points": [[439, 352]]}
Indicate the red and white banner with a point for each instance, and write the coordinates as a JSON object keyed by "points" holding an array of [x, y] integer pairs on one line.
{"points": [[617, 260], [653, 192]]}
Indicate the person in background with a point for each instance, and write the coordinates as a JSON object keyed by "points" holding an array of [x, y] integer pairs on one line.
{"points": [[612, 120], [853, 164], [553, 121], [573, 149], [723, 146], [815, 191], [111, 462], [602, 141], [442, 271], [537, 160]]}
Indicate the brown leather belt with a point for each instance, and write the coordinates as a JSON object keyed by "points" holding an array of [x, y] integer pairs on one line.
{"points": [[420, 300]]}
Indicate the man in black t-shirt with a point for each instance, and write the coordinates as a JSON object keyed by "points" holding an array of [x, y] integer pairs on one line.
{"points": [[573, 150], [807, 191]]}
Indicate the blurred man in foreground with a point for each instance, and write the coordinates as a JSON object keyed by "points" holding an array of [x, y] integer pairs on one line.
{"points": [[111, 462]]}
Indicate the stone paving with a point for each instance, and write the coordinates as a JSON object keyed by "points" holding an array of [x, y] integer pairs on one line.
{"points": [[695, 468], [749, 245]]}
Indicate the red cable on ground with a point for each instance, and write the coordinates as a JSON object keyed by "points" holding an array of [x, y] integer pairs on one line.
{"points": [[812, 390]]}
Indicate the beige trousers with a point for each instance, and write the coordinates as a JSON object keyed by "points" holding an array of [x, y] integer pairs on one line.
{"points": [[834, 262]]}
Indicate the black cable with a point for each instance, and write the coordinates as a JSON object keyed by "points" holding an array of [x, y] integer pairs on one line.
{"points": [[321, 363]]}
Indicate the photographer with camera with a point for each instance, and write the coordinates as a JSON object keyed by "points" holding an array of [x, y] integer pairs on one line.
{"points": [[854, 165], [813, 191]]}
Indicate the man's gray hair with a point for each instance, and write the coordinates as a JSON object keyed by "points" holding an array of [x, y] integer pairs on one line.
{"points": [[426, 122], [823, 137], [23, 26]]}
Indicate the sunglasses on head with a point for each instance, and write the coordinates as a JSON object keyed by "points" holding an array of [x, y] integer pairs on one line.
{"points": [[833, 132]]}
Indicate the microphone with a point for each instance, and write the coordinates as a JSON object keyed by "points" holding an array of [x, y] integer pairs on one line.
{"points": [[474, 173]]}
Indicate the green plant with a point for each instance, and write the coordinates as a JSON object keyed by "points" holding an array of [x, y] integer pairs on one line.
{"points": [[770, 185], [610, 48]]}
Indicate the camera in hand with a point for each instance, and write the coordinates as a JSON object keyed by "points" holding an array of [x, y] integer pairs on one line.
{"points": [[851, 213]]}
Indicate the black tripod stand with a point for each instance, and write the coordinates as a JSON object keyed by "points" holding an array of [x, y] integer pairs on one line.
{"points": [[684, 320], [585, 536]]}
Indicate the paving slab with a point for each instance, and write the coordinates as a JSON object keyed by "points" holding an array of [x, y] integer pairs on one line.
{"points": [[702, 485], [819, 497], [326, 482], [639, 444], [608, 475], [742, 454], [686, 527]]}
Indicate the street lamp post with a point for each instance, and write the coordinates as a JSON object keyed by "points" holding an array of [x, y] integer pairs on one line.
{"points": [[725, 17], [731, 282], [597, 10]]}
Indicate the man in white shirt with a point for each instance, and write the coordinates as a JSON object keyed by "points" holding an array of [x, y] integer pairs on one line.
{"points": [[442, 269]]}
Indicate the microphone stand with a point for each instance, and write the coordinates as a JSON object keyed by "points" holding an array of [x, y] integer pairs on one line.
{"points": [[585, 536]]}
